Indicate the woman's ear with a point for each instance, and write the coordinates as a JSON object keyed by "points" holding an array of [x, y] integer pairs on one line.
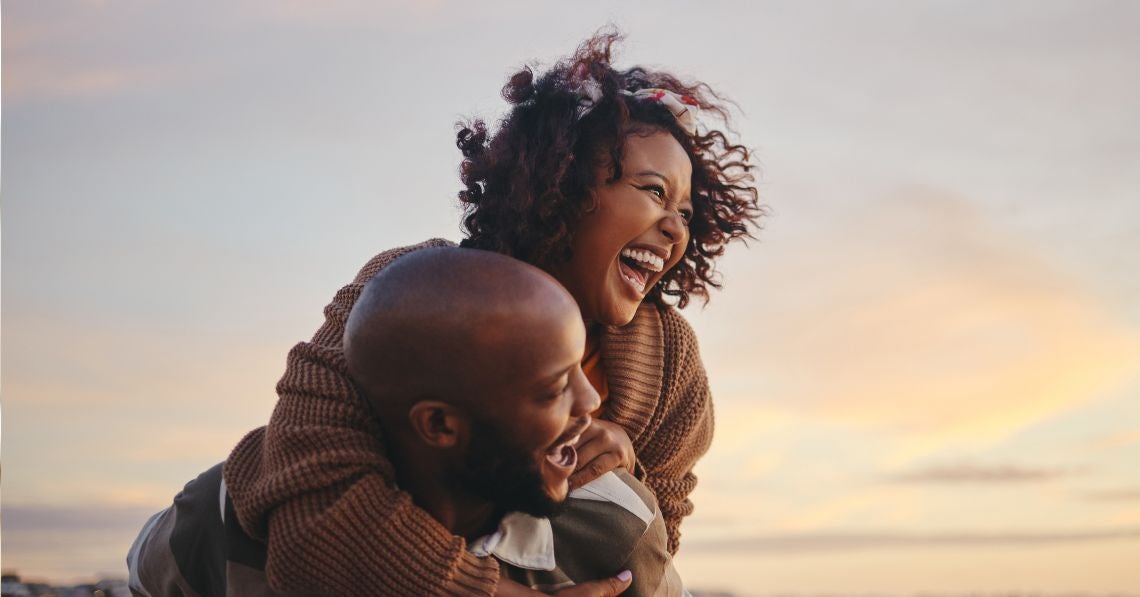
{"points": [[591, 203], [437, 424]]}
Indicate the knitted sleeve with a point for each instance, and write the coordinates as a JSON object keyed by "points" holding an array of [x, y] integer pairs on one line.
{"points": [[315, 483], [681, 429]]}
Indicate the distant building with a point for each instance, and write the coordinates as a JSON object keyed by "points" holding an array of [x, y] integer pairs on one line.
{"points": [[12, 586]]}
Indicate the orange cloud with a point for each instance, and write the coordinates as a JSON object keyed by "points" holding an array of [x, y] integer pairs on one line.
{"points": [[1121, 439], [916, 317], [976, 473]]}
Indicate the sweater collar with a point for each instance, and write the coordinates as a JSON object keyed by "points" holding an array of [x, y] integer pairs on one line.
{"points": [[634, 357]]}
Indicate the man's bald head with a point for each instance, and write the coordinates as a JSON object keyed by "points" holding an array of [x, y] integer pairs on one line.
{"points": [[444, 323]]}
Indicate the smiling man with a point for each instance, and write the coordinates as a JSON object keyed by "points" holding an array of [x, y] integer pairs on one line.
{"points": [[471, 362]]}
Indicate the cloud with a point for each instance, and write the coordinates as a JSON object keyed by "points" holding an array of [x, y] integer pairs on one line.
{"points": [[975, 473], [27, 80], [1125, 494], [839, 541], [32, 519], [914, 314], [1116, 440], [77, 51], [349, 13]]}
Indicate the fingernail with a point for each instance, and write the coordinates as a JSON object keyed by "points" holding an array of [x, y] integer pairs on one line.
{"points": [[625, 575]]}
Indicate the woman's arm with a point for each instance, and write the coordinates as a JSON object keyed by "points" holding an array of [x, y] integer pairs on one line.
{"points": [[316, 485], [680, 432]]}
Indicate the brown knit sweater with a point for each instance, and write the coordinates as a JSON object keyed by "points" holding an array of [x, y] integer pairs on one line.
{"points": [[317, 484]]}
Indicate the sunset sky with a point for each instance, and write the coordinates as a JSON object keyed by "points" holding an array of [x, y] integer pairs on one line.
{"points": [[926, 368]]}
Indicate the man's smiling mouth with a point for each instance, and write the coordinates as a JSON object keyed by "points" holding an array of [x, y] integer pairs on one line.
{"points": [[563, 454]]}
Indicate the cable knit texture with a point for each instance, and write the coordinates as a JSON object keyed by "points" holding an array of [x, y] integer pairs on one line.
{"points": [[317, 485]]}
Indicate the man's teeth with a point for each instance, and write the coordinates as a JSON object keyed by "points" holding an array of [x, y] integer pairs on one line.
{"points": [[570, 442], [647, 259], [569, 456], [564, 453]]}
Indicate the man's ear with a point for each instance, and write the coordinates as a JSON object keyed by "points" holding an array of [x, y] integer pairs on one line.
{"points": [[437, 424]]}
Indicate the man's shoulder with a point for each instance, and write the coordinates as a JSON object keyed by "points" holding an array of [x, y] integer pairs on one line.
{"points": [[615, 509], [609, 524], [621, 489]]}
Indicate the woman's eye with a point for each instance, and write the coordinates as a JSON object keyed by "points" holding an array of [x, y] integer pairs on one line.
{"points": [[687, 215], [659, 191]]}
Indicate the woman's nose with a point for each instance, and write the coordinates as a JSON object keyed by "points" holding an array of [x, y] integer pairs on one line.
{"points": [[672, 225]]}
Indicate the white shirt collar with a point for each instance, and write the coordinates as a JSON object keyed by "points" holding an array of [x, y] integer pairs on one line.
{"points": [[522, 540], [528, 542]]}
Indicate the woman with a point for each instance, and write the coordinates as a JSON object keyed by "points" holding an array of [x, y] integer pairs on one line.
{"points": [[602, 178]]}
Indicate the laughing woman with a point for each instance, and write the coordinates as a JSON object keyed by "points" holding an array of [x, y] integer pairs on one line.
{"points": [[602, 177]]}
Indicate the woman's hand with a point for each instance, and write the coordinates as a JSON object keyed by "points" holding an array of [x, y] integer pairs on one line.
{"points": [[603, 447], [606, 587]]}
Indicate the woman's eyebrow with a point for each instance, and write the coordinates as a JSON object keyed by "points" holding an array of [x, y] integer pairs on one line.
{"points": [[653, 173], [668, 183], [657, 174]]}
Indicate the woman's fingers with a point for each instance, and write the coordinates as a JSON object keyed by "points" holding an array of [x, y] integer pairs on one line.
{"points": [[606, 587], [602, 464], [509, 588], [602, 448], [589, 448]]}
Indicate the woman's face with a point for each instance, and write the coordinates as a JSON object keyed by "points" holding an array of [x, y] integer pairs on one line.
{"points": [[637, 231]]}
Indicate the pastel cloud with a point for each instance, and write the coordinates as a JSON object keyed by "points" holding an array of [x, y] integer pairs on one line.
{"points": [[147, 410], [865, 540], [915, 316], [1130, 494], [19, 519], [976, 473], [40, 81], [1117, 440]]}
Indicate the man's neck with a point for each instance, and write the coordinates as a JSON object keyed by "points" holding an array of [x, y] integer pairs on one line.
{"points": [[469, 520], [467, 516]]}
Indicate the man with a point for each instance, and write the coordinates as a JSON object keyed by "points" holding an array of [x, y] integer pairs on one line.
{"points": [[471, 362]]}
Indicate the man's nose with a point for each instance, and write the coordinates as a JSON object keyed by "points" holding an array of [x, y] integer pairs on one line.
{"points": [[586, 399]]}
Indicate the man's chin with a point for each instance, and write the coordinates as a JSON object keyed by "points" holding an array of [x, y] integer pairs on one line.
{"points": [[552, 501], [559, 493], [547, 508]]}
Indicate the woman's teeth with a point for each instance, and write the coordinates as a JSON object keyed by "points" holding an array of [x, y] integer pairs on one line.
{"points": [[633, 276], [644, 259], [636, 265]]}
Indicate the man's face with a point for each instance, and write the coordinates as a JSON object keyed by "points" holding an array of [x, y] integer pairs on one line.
{"points": [[521, 451]]}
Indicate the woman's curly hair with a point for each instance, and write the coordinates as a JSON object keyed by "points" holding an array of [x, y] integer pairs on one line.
{"points": [[528, 184]]}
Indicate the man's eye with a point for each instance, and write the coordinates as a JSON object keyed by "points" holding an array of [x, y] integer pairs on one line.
{"points": [[560, 392]]}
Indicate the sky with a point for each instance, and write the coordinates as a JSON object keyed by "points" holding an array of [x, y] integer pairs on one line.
{"points": [[925, 368]]}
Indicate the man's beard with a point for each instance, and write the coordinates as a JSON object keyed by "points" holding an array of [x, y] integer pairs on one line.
{"points": [[504, 474]]}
